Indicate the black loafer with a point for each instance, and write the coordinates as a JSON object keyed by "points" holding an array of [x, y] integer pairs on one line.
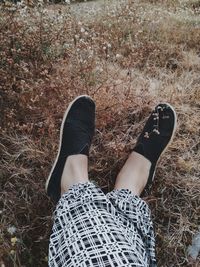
{"points": [[76, 135], [156, 136]]}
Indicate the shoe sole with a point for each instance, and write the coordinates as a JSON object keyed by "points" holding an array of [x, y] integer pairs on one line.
{"points": [[170, 141], [61, 136]]}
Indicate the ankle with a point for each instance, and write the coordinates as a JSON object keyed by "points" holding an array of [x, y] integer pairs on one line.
{"points": [[75, 171], [134, 174], [139, 162]]}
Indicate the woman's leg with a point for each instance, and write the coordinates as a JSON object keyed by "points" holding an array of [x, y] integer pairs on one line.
{"points": [[136, 174], [75, 171], [76, 133], [134, 217], [157, 134], [134, 213], [86, 231]]}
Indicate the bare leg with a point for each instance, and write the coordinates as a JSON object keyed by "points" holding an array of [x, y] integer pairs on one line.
{"points": [[134, 174], [75, 171]]}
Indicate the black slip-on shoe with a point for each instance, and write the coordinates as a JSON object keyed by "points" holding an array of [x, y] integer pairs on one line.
{"points": [[156, 136], [76, 133]]}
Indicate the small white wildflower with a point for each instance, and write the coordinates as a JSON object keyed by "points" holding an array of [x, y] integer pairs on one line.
{"points": [[20, 4], [118, 56], [99, 69], [65, 45], [12, 252], [67, 2], [104, 48], [11, 230], [13, 240], [91, 53], [82, 30]]}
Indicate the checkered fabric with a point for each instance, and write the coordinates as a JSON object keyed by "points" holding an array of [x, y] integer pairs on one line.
{"points": [[98, 230]]}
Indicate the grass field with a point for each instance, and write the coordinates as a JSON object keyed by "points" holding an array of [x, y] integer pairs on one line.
{"points": [[128, 57]]}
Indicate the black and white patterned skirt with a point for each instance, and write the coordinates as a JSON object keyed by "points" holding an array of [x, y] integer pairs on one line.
{"points": [[92, 229]]}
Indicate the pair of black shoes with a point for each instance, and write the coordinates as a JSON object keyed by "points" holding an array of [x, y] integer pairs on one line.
{"points": [[78, 128]]}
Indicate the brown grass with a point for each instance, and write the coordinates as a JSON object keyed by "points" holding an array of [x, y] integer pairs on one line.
{"points": [[128, 61]]}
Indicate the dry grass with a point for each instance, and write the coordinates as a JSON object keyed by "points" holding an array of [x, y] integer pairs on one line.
{"points": [[128, 60]]}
